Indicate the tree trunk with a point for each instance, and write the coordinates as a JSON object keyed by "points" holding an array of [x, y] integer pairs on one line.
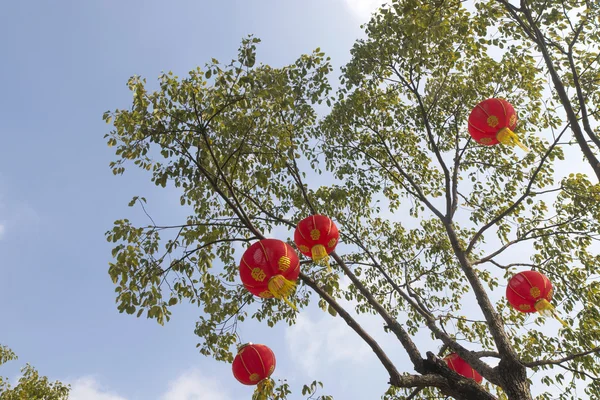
{"points": [[514, 381]]}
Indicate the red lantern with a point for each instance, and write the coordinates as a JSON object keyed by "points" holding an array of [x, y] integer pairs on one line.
{"points": [[531, 291], [253, 365], [461, 367], [492, 121], [316, 237], [270, 268]]}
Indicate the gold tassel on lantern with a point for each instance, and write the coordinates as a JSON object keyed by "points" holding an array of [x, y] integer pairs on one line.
{"points": [[264, 389], [320, 256], [546, 309], [508, 137], [281, 289]]}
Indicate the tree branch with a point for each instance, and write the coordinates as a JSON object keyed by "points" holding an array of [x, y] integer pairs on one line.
{"points": [[513, 206], [562, 360], [448, 341], [401, 334], [495, 323], [536, 35], [395, 378], [424, 114]]}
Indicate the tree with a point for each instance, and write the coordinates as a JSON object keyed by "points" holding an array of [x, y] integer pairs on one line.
{"points": [[565, 35], [430, 220], [31, 385]]}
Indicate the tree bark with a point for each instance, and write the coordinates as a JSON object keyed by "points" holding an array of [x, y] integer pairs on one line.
{"points": [[534, 33], [514, 380]]}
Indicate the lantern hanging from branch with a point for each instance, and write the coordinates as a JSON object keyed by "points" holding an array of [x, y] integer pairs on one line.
{"points": [[270, 268], [461, 367], [316, 237], [253, 365], [531, 291], [492, 121]]}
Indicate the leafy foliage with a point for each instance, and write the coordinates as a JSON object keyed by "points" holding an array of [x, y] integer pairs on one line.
{"points": [[430, 221], [31, 385]]}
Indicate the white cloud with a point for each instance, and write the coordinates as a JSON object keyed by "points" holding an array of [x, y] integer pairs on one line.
{"points": [[190, 385], [17, 218], [363, 9], [87, 388], [193, 385], [330, 339], [25, 215]]}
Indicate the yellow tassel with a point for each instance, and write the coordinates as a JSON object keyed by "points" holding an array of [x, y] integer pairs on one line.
{"points": [[508, 137], [281, 289], [264, 389], [547, 310], [320, 256]]}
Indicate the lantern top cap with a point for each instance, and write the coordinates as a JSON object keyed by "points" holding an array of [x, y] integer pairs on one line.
{"points": [[241, 346]]}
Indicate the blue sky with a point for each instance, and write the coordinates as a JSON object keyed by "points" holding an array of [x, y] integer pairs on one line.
{"points": [[63, 64]]}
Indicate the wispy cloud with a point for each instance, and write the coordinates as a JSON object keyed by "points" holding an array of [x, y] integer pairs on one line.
{"points": [[87, 388], [322, 337], [17, 218], [362, 9], [193, 385], [190, 385]]}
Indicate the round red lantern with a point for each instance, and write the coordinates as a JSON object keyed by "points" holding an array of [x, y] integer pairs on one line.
{"points": [[253, 365], [531, 291], [316, 237], [461, 367], [270, 268], [492, 121]]}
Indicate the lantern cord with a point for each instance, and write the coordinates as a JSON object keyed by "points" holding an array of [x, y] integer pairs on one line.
{"points": [[508, 137], [241, 346], [546, 309], [320, 256], [264, 389], [282, 288]]}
